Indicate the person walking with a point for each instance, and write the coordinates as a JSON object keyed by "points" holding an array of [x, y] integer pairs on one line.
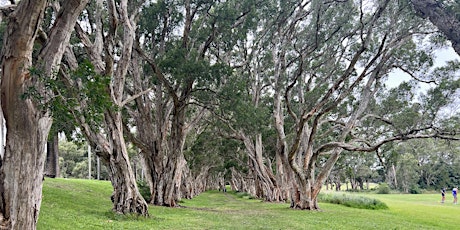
{"points": [[443, 194], [454, 193]]}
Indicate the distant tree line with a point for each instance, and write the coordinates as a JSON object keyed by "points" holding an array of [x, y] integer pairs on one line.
{"points": [[411, 167]]}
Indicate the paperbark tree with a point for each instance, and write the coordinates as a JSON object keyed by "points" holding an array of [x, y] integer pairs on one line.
{"points": [[94, 94], [326, 72], [163, 157], [244, 117], [181, 67], [21, 172], [268, 185], [241, 109]]}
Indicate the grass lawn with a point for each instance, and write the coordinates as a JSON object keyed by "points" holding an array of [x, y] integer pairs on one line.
{"points": [[85, 204]]}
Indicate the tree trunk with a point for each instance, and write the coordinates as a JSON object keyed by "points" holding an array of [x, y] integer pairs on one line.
{"points": [[52, 157], [164, 179], [114, 154], [238, 182], [2, 134], [27, 128], [125, 197], [114, 46], [304, 196], [265, 182], [284, 175], [163, 159], [21, 172], [446, 21], [163, 171], [199, 183], [25, 147]]}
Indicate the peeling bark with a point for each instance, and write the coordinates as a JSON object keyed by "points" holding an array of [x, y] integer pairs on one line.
{"points": [[27, 125], [111, 145]]}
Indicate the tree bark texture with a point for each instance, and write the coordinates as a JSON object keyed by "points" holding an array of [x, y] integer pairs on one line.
{"points": [[241, 183], [112, 60], [200, 182], [169, 177], [21, 173], [265, 181], [152, 130], [126, 197], [447, 22], [164, 178], [161, 132]]}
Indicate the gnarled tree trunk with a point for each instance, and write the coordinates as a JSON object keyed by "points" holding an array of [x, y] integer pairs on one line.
{"points": [[164, 178], [110, 59], [265, 181], [27, 125], [125, 197]]}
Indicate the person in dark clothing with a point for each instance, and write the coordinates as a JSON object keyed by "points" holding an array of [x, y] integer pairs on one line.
{"points": [[443, 194]]}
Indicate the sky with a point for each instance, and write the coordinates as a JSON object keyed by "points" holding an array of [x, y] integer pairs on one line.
{"points": [[442, 56]]}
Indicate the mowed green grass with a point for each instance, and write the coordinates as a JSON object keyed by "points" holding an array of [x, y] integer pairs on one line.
{"points": [[85, 204]]}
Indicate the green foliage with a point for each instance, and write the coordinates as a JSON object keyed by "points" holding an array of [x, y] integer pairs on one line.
{"points": [[236, 106], [356, 167], [70, 155], [220, 155], [407, 172], [383, 188], [144, 189], [81, 169], [426, 164], [83, 94], [415, 189], [448, 83], [352, 201], [73, 161], [153, 17]]}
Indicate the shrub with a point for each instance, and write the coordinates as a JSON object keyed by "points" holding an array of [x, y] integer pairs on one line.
{"points": [[144, 189], [383, 188], [414, 189], [352, 201]]}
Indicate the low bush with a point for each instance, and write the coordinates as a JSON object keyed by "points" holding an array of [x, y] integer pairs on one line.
{"points": [[415, 190], [352, 201], [383, 188], [144, 189]]}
